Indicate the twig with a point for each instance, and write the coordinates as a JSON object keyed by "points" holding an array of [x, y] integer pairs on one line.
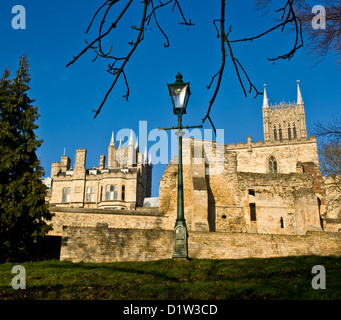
{"points": [[222, 67], [138, 40]]}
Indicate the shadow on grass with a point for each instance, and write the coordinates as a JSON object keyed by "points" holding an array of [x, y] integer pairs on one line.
{"points": [[274, 278]]}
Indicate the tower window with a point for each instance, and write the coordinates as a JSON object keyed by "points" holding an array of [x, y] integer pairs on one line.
{"points": [[289, 132], [272, 165], [280, 133], [282, 222], [294, 130], [275, 133]]}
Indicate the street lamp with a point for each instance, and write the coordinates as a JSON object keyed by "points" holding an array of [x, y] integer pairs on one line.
{"points": [[179, 92]]}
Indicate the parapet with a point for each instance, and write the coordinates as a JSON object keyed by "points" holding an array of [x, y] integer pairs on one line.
{"points": [[249, 144]]}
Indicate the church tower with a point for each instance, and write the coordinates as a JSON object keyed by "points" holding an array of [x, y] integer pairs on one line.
{"points": [[284, 121]]}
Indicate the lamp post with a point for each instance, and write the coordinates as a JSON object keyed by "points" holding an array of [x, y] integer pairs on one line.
{"points": [[180, 92]]}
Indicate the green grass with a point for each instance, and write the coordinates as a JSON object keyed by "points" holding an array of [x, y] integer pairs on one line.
{"points": [[274, 278]]}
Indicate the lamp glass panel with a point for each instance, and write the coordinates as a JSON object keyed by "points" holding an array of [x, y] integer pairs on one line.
{"points": [[178, 94]]}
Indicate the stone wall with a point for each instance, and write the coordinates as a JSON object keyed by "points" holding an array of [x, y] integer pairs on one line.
{"points": [[285, 202], [333, 197], [103, 244], [254, 157], [142, 218]]}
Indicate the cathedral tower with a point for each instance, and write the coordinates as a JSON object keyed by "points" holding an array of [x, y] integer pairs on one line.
{"points": [[284, 121]]}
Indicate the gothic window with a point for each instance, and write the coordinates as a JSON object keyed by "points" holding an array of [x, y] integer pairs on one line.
{"points": [[275, 133], [90, 194], [289, 132], [280, 133], [272, 165], [66, 195], [123, 193], [294, 131]]}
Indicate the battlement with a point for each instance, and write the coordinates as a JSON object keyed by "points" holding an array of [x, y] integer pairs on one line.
{"points": [[242, 145], [97, 171], [283, 105]]}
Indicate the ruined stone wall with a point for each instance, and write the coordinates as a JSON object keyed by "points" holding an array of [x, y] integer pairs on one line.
{"points": [[332, 218], [285, 203], [333, 197], [103, 244]]}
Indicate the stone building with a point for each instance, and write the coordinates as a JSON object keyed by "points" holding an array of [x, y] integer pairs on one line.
{"points": [[253, 199], [123, 183], [272, 187]]}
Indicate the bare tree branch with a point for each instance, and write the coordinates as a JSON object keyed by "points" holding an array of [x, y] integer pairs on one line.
{"points": [[97, 46], [320, 41], [223, 60], [289, 16], [139, 38], [113, 25], [225, 41], [116, 68], [330, 130]]}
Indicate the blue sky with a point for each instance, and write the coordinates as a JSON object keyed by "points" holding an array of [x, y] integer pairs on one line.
{"points": [[55, 32]]}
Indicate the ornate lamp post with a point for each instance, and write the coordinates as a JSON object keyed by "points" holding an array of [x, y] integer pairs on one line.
{"points": [[180, 92]]}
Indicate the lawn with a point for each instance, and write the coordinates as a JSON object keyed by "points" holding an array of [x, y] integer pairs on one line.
{"points": [[274, 278]]}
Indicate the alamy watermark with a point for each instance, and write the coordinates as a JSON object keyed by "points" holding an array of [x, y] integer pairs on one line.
{"points": [[163, 149], [319, 281], [19, 20], [319, 21], [19, 281]]}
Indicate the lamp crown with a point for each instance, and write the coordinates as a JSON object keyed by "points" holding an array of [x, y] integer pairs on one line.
{"points": [[179, 78]]}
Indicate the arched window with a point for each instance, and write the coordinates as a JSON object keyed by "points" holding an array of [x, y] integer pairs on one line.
{"points": [[275, 133], [294, 130], [289, 132], [272, 165], [280, 133]]}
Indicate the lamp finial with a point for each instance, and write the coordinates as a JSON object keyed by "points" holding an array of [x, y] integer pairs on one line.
{"points": [[179, 78]]}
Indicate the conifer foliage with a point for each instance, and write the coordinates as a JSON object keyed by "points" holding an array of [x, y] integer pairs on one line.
{"points": [[23, 211]]}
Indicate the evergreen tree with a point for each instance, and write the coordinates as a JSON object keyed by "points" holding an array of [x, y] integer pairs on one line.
{"points": [[23, 211]]}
